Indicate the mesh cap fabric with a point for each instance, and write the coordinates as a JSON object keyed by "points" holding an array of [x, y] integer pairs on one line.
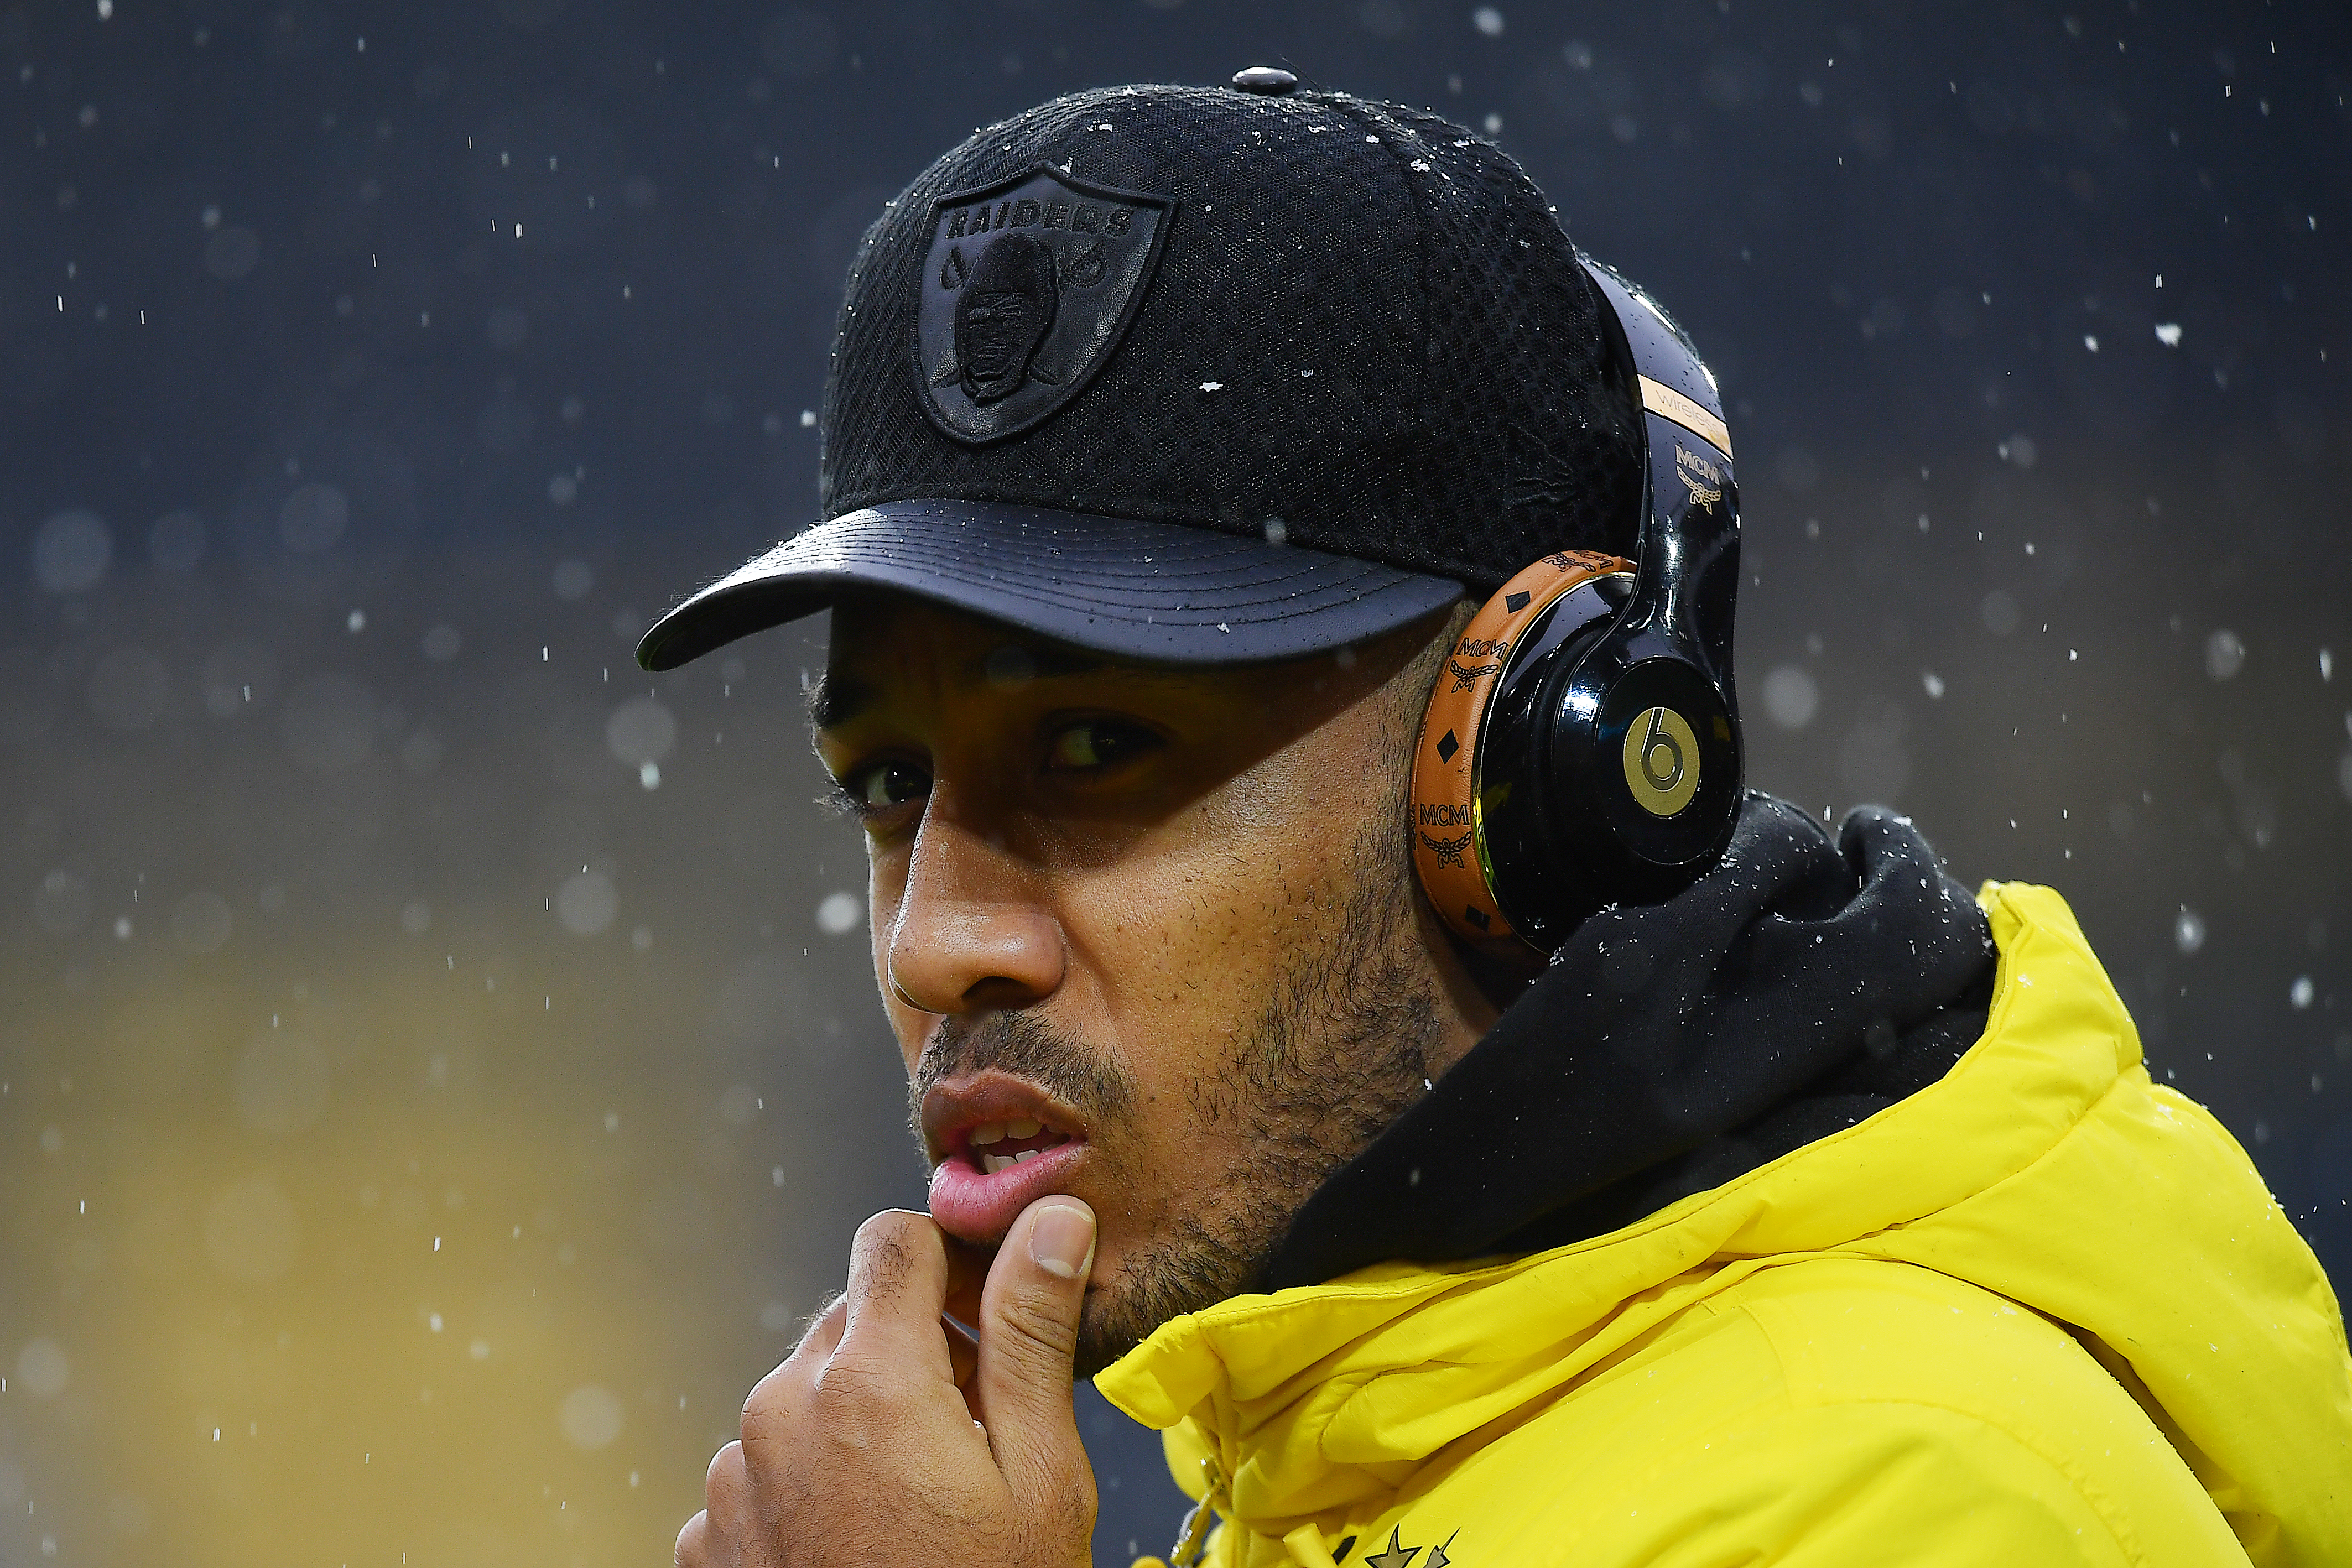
{"points": [[1347, 341]]}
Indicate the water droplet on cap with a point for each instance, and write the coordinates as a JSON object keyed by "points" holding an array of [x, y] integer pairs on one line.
{"points": [[1267, 79]]}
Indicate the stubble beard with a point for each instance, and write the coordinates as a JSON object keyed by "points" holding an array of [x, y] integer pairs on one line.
{"points": [[1341, 1047]]}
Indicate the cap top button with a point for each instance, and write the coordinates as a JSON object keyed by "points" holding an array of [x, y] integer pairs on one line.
{"points": [[1267, 79]]}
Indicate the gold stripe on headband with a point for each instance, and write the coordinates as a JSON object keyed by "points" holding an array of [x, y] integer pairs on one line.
{"points": [[1664, 400]]}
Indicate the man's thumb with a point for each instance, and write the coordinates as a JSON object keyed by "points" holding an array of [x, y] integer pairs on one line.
{"points": [[1029, 1335]]}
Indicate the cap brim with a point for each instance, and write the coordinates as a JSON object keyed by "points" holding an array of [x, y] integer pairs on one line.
{"points": [[1156, 592]]}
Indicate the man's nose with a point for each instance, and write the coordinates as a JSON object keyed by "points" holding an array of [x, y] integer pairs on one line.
{"points": [[973, 929]]}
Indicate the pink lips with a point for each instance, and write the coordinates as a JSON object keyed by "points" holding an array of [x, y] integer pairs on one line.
{"points": [[968, 1198], [980, 1206]]}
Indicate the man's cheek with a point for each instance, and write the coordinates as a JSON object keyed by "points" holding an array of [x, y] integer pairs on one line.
{"points": [[1141, 1197], [886, 889], [1178, 943], [883, 899]]}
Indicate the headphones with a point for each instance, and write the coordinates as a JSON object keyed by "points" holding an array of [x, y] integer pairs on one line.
{"points": [[1582, 747]]}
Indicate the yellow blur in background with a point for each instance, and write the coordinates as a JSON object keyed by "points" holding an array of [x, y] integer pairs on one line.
{"points": [[349, 1225]]}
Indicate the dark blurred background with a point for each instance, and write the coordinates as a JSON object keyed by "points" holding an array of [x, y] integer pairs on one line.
{"points": [[440, 1063]]}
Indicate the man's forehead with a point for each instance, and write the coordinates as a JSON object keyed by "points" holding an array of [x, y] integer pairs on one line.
{"points": [[876, 642]]}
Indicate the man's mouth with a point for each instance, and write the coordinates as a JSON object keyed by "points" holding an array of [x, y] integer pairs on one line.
{"points": [[999, 1143], [996, 1146]]}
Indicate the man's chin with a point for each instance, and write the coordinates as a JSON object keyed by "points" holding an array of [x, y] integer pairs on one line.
{"points": [[1136, 1290], [1107, 1330]]}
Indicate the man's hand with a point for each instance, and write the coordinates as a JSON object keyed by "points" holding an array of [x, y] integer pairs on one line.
{"points": [[883, 1440]]}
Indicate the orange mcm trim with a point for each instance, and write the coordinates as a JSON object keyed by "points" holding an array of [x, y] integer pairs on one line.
{"points": [[1449, 843]]}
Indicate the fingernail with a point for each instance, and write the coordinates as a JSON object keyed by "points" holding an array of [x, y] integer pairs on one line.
{"points": [[1062, 1239]]}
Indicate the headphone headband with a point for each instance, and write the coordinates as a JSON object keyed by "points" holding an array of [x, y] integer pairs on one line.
{"points": [[1689, 540]]}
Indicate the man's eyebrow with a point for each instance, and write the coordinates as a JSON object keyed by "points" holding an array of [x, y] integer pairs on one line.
{"points": [[836, 697], [1036, 659]]}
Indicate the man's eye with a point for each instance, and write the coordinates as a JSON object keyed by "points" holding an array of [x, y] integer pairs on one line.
{"points": [[1098, 743], [885, 786]]}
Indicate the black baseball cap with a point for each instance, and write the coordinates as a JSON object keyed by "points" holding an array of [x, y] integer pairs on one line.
{"points": [[1203, 375]]}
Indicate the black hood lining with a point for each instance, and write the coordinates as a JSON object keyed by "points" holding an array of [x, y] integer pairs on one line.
{"points": [[1799, 988]]}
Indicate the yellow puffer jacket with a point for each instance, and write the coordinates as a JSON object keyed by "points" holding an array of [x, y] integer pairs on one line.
{"points": [[2041, 1313]]}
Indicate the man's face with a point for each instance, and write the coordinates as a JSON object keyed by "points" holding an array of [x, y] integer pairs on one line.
{"points": [[1001, 329], [1148, 936]]}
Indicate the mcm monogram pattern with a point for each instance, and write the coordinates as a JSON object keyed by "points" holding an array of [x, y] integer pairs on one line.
{"points": [[1449, 851], [1463, 679], [1702, 478]]}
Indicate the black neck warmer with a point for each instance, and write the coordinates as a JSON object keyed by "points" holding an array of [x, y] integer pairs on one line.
{"points": [[1795, 989]]}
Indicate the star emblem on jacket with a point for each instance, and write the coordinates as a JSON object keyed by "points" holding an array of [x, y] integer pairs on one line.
{"points": [[1400, 1555]]}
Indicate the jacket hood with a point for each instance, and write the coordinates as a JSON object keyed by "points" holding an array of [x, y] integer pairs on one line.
{"points": [[1802, 984], [2043, 1167]]}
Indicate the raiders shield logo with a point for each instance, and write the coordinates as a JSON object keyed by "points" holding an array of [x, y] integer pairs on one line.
{"points": [[1028, 285]]}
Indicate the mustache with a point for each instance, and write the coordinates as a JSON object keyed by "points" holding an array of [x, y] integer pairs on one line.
{"points": [[1027, 1046]]}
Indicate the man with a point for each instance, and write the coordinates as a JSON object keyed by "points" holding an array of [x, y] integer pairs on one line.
{"points": [[1003, 313], [1812, 1212]]}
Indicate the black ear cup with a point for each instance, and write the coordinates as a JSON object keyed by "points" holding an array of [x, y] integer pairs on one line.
{"points": [[1607, 777], [1646, 757]]}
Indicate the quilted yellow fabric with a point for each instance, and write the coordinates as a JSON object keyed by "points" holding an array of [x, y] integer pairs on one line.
{"points": [[2041, 1312]]}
